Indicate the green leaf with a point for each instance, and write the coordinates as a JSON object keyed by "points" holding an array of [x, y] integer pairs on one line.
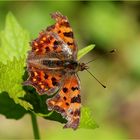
{"points": [[9, 108], [11, 78], [85, 50], [14, 45], [39, 105], [14, 40], [87, 120]]}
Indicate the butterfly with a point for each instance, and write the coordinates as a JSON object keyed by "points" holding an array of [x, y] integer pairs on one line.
{"points": [[52, 66]]}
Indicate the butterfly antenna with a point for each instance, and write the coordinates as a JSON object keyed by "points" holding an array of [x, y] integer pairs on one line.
{"points": [[95, 78], [112, 51]]}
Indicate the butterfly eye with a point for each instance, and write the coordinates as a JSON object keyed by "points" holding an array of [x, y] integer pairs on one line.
{"points": [[71, 64], [75, 64]]}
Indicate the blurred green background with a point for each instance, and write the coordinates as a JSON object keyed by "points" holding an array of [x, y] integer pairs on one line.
{"points": [[109, 25]]}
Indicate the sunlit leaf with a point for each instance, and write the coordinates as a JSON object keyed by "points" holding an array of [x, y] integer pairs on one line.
{"points": [[85, 50], [14, 40], [87, 120], [11, 78]]}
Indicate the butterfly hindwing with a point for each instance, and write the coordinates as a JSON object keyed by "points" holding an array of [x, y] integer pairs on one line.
{"points": [[68, 101], [45, 81]]}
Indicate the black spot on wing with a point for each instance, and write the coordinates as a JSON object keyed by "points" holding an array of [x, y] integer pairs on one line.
{"points": [[77, 112], [47, 49], [71, 112], [46, 76], [67, 104], [55, 83], [74, 88], [69, 43], [65, 89], [76, 99], [53, 79], [66, 24], [64, 98], [68, 34], [56, 42]]}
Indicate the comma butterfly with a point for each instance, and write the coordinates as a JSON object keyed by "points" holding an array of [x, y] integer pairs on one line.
{"points": [[52, 66]]}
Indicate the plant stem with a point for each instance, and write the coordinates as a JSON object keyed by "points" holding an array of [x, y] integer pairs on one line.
{"points": [[35, 126]]}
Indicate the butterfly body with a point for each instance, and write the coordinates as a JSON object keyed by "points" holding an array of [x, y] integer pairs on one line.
{"points": [[52, 67], [65, 65]]}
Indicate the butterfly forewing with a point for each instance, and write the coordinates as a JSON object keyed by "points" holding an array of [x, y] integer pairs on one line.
{"points": [[50, 45], [63, 29]]}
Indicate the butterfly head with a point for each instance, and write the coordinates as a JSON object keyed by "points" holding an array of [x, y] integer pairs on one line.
{"points": [[82, 66]]}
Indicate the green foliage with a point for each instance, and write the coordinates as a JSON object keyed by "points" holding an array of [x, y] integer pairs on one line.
{"points": [[86, 119], [85, 50], [9, 108], [14, 40], [11, 80], [39, 105], [14, 98], [14, 46]]}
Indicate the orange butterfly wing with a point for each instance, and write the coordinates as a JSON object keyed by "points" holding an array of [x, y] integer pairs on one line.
{"points": [[44, 81], [63, 29], [68, 101], [54, 38], [50, 45]]}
